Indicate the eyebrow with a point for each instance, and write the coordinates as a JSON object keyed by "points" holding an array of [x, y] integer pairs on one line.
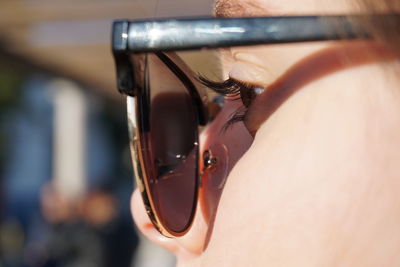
{"points": [[234, 8]]}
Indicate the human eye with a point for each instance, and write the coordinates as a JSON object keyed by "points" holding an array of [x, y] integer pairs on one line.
{"points": [[234, 90]]}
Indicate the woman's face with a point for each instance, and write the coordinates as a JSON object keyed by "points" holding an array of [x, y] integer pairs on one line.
{"points": [[318, 184]]}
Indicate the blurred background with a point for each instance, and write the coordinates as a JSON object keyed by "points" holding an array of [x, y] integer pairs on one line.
{"points": [[65, 171]]}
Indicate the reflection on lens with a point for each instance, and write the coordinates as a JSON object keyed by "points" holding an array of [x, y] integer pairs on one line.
{"points": [[170, 147]]}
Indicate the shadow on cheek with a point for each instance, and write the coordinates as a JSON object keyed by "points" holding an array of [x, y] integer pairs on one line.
{"points": [[311, 68]]}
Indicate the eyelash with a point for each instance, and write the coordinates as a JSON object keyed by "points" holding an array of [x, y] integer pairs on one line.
{"points": [[232, 89]]}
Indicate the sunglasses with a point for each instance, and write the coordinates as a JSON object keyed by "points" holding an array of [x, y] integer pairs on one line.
{"points": [[167, 105]]}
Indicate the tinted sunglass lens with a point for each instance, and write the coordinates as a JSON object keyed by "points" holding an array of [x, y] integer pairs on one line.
{"points": [[170, 154]]}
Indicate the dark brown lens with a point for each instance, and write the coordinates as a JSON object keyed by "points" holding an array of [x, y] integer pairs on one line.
{"points": [[170, 149]]}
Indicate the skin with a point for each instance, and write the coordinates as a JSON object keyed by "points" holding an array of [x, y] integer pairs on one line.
{"points": [[319, 185]]}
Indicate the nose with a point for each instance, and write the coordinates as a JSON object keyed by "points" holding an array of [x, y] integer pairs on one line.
{"points": [[184, 248], [219, 151]]}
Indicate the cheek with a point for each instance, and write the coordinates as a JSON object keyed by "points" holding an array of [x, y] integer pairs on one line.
{"points": [[227, 146]]}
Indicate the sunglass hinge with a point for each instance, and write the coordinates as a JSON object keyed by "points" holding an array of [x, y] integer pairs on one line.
{"points": [[122, 61]]}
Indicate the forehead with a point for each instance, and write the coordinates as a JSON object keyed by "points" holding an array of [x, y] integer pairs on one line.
{"points": [[239, 8], [256, 8]]}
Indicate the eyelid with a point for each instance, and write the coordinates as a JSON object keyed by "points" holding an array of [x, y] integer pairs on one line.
{"points": [[248, 91], [235, 90], [227, 88]]}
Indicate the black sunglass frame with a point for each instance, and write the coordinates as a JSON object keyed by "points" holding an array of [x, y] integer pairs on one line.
{"points": [[161, 35], [132, 40]]}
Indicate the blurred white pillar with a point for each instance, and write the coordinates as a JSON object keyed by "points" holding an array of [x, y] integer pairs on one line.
{"points": [[69, 139]]}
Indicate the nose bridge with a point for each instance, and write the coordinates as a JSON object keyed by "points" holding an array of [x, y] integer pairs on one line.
{"points": [[235, 139], [226, 147]]}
